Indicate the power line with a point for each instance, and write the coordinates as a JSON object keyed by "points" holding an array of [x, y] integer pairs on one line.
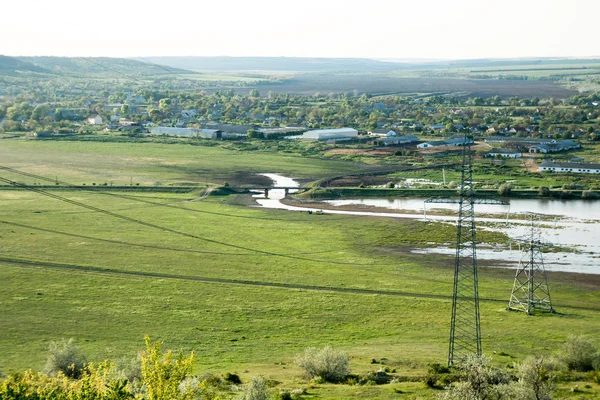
{"points": [[120, 242], [129, 197], [170, 230]]}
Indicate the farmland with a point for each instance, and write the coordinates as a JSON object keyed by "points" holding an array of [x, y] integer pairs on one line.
{"points": [[246, 288]]}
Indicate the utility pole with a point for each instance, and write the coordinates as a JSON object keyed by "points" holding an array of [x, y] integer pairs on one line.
{"points": [[530, 291]]}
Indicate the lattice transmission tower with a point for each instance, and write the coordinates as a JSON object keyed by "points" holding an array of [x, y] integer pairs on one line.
{"points": [[530, 291], [465, 331]]}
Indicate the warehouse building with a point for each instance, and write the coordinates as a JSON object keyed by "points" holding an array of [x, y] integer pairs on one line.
{"points": [[331, 134], [581, 168], [187, 132]]}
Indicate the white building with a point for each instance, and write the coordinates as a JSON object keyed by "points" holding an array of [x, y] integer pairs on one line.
{"points": [[581, 168], [505, 153], [94, 119], [331, 134]]}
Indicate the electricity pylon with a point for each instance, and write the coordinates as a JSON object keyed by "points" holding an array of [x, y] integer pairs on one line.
{"points": [[530, 291], [465, 331]]}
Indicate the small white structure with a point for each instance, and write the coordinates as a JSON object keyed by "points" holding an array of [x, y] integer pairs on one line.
{"points": [[581, 168], [331, 134], [94, 119]]}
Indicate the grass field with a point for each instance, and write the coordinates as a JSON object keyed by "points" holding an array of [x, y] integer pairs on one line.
{"points": [[246, 288], [155, 163]]}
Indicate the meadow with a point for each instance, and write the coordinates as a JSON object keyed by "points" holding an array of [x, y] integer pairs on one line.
{"points": [[244, 287]]}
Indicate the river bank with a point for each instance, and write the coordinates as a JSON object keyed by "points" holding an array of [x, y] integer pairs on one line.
{"points": [[345, 192]]}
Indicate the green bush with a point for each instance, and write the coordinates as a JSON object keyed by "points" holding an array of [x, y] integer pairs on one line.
{"points": [[578, 353], [326, 363], [505, 189], [64, 357], [544, 191], [590, 195]]}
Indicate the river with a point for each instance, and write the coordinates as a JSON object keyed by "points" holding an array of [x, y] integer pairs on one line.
{"points": [[570, 224]]}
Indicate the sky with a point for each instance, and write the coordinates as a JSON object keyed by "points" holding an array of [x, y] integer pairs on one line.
{"points": [[383, 29]]}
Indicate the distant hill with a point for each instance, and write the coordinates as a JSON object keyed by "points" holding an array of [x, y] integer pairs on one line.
{"points": [[12, 66], [99, 66], [276, 64]]}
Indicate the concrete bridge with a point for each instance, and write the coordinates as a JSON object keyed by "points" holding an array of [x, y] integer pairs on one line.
{"points": [[266, 189]]}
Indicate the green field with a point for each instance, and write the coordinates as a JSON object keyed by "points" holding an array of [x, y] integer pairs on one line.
{"points": [[155, 163], [246, 288]]}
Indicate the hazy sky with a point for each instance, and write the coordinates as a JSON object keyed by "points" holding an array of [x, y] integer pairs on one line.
{"points": [[304, 28]]}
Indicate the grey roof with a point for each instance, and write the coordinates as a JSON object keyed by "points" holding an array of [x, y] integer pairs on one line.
{"points": [[552, 164], [504, 151]]}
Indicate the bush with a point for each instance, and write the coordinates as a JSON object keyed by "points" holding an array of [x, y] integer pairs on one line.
{"points": [[233, 379], [590, 195], [505, 189], [578, 353], [65, 357], [328, 364], [163, 373], [544, 191], [536, 377], [437, 375], [256, 389]]}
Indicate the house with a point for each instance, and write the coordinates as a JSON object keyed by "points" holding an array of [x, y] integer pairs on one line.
{"points": [[399, 140], [582, 168], [187, 114], [562, 145], [505, 153], [94, 119], [331, 134], [437, 126]]}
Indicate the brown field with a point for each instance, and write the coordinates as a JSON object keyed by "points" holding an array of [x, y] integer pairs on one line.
{"points": [[310, 84]]}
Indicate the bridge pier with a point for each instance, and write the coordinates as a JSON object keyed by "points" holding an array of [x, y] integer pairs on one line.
{"points": [[266, 193], [287, 191]]}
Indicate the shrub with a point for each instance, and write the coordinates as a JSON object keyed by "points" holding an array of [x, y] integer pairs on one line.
{"points": [[437, 375], [130, 368], [578, 353], [163, 373], [590, 195], [233, 379], [65, 357], [544, 191], [479, 380], [505, 189], [328, 364], [536, 377], [256, 389]]}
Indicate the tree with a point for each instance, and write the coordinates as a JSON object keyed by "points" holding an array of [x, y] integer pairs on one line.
{"points": [[125, 109], [254, 93]]}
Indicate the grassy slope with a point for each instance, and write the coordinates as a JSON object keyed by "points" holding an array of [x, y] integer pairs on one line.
{"points": [[147, 163], [399, 309]]}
